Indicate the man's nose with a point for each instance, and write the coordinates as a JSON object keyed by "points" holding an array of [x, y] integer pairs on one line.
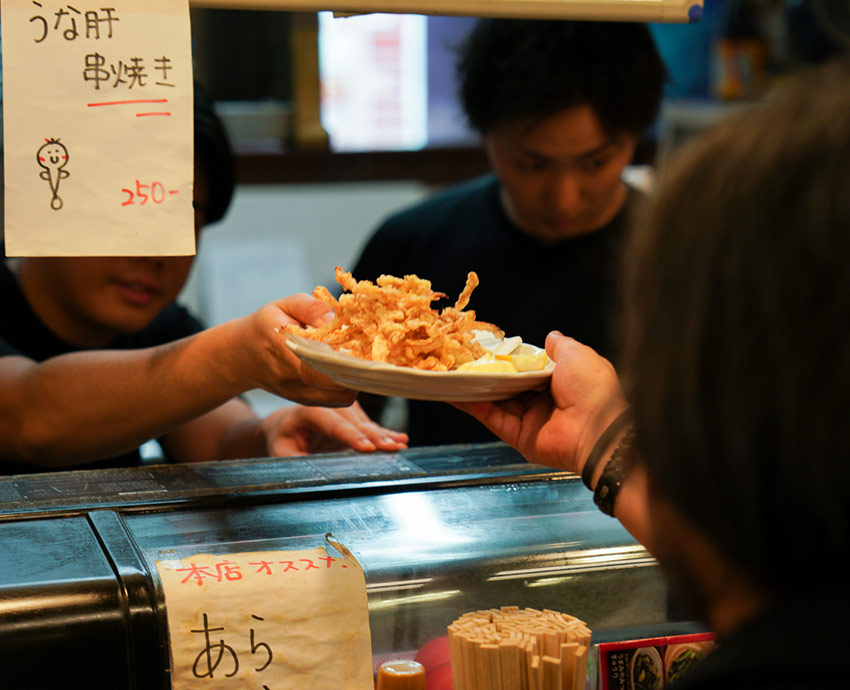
{"points": [[565, 192]]}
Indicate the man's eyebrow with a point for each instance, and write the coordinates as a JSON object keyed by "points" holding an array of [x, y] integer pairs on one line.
{"points": [[532, 154], [598, 150], [592, 153]]}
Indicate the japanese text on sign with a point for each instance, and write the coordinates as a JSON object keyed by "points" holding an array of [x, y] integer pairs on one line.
{"points": [[99, 158], [270, 620], [228, 570]]}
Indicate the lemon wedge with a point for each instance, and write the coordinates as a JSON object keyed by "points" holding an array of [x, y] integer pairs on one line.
{"points": [[489, 363], [526, 362]]}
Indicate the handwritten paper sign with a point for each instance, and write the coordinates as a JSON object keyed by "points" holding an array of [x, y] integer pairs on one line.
{"points": [[98, 140], [273, 619]]}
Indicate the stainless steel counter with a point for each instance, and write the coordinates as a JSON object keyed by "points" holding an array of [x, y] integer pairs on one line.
{"points": [[438, 531]]}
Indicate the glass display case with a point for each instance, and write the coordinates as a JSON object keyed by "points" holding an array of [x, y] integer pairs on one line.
{"points": [[438, 531]]}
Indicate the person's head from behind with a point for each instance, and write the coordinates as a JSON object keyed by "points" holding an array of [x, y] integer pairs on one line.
{"points": [[561, 106], [737, 339], [89, 301]]}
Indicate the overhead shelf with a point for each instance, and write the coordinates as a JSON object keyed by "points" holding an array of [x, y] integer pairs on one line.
{"points": [[611, 10]]}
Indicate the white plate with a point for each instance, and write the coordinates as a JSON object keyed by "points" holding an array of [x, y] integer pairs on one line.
{"points": [[404, 382]]}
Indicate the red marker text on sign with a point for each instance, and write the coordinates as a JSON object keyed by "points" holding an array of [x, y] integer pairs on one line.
{"points": [[227, 570], [143, 193]]}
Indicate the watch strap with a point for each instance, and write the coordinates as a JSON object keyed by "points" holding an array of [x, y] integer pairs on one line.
{"points": [[601, 445], [614, 475]]}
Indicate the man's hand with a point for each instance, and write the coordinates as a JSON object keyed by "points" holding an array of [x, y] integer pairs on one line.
{"points": [[301, 430], [558, 427], [272, 366]]}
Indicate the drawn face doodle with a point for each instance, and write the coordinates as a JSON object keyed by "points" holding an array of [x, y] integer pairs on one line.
{"points": [[53, 157]]}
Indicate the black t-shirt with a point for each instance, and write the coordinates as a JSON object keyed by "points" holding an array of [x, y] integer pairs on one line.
{"points": [[22, 333], [526, 288]]}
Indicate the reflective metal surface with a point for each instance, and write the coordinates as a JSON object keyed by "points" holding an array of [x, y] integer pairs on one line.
{"points": [[430, 555], [439, 532]]}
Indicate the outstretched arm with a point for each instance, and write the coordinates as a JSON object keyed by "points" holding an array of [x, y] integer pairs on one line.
{"points": [[559, 427], [90, 405]]}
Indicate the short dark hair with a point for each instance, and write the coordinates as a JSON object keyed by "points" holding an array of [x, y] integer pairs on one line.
{"points": [[508, 69], [213, 147], [737, 333]]}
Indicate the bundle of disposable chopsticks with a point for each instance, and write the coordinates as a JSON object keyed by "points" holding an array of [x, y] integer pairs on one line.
{"points": [[518, 649]]}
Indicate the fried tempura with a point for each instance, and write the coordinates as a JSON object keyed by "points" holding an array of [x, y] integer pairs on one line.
{"points": [[393, 321]]}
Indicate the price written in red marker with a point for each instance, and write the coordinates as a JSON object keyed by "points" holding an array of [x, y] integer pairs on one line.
{"points": [[142, 193]]}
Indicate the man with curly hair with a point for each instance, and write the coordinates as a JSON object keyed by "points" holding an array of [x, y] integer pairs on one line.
{"points": [[560, 107]]}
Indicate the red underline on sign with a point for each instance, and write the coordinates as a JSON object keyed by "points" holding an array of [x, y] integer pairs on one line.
{"points": [[149, 114], [141, 100]]}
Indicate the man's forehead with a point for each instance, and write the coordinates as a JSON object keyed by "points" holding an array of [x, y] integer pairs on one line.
{"points": [[573, 145], [579, 152]]}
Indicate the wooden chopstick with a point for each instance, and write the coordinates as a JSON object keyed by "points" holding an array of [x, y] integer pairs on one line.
{"points": [[518, 649]]}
